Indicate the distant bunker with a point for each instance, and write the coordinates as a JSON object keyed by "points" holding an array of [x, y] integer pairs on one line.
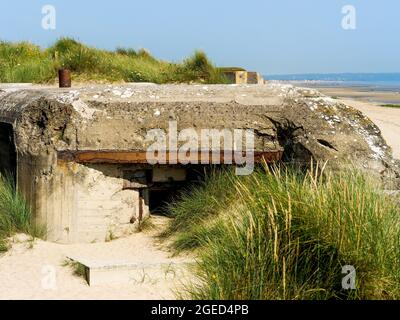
{"points": [[81, 157]]}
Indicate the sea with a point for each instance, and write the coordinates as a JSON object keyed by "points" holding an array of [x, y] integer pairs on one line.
{"points": [[367, 81]]}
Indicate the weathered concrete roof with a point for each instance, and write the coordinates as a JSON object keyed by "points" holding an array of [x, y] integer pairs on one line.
{"points": [[117, 117], [149, 92], [302, 121]]}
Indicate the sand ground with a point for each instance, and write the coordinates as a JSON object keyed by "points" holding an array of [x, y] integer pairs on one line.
{"points": [[363, 94], [38, 271]]}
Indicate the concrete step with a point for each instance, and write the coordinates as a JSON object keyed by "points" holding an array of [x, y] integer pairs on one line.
{"points": [[120, 272]]}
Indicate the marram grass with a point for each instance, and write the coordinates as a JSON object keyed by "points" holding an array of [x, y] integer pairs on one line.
{"points": [[284, 234], [26, 62]]}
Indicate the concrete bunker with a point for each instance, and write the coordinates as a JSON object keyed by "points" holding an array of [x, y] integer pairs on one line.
{"points": [[79, 156]]}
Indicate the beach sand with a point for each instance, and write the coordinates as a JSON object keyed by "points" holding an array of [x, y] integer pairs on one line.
{"points": [[27, 272], [363, 94]]}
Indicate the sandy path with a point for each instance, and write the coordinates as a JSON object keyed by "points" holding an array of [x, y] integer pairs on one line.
{"points": [[29, 273], [387, 119]]}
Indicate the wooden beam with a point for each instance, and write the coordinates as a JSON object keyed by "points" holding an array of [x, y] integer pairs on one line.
{"points": [[140, 157]]}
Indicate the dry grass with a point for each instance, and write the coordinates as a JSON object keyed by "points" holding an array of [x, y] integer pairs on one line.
{"points": [[26, 62], [286, 234], [15, 215]]}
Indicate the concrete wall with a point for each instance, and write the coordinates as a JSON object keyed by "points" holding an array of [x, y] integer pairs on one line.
{"points": [[78, 203], [103, 208], [241, 77], [244, 77], [254, 78], [166, 174], [236, 77]]}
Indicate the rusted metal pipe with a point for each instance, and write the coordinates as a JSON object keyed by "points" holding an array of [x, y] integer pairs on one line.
{"points": [[64, 78]]}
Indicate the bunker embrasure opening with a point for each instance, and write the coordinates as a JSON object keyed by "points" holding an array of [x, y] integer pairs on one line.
{"points": [[160, 185]]}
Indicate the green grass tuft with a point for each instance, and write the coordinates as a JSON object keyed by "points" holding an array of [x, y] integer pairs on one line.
{"points": [[15, 215], [3, 246], [26, 62], [196, 205], [78, 269], [285, 234]]}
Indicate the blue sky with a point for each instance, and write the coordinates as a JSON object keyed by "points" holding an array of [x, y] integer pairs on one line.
{"points": [[273, 37]]}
